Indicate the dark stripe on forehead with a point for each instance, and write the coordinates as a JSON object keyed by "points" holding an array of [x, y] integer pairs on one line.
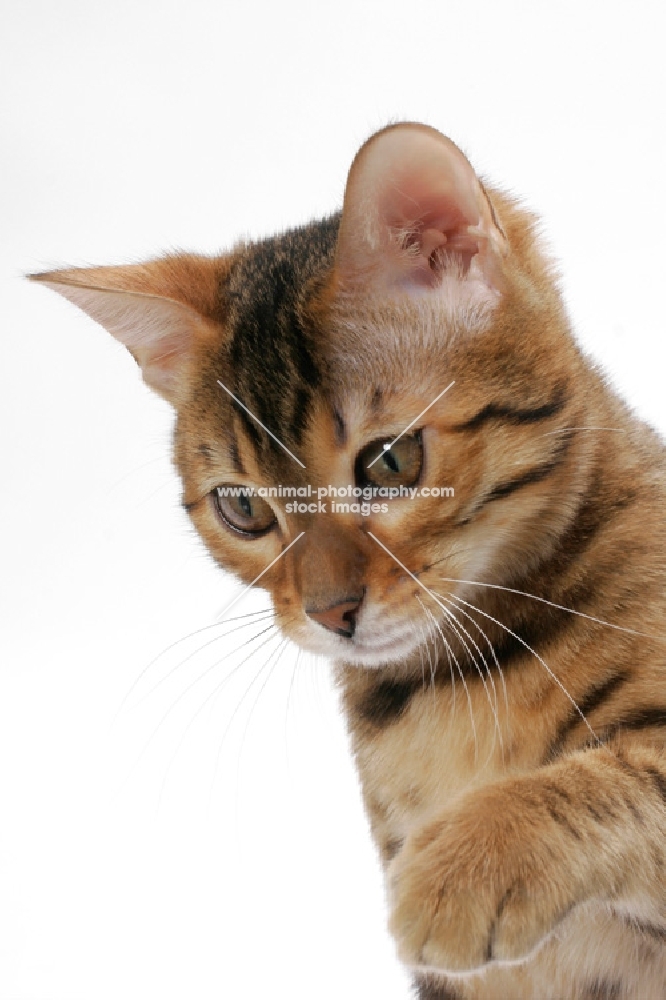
{"points": [[274, 351], [340, 428], [234, 455], [301, 406], [250, 426]]}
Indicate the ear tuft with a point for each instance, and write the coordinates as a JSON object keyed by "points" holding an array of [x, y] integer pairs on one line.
{"points": [[159, 310], [414, 210]]}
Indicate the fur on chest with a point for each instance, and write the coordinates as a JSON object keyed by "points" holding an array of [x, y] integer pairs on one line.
{"points": [[420, 745]]}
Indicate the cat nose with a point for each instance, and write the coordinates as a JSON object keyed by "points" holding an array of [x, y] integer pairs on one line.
{"points": [[339, 618]]}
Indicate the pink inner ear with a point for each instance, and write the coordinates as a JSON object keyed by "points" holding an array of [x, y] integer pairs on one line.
{"points": [[158, 332], [432, 225], [414, 211]]}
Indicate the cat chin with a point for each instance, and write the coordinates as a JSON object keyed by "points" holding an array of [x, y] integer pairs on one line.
{"points": [[369, 655], [374, 661], [380, 656]]}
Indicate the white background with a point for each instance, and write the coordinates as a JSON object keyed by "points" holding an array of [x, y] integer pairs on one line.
{"points": [[228, 855]]}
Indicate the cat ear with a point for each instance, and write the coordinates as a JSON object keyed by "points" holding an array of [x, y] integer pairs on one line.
{"points": [[159, 310], [414, 210]]}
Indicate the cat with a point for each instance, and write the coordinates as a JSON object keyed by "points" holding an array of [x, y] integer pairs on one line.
{"points": [[499, 647]]}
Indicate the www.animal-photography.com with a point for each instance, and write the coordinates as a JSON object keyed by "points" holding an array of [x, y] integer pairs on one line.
{"points": [[334, 517]]}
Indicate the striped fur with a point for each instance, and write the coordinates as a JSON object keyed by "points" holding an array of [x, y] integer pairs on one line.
{"points": [[505, 680]]}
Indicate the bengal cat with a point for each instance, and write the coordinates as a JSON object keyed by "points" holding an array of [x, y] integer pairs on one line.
{"points": [[499, 646]]}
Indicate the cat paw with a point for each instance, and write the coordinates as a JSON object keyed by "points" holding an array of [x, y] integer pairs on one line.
{"points": [[474, 888]]}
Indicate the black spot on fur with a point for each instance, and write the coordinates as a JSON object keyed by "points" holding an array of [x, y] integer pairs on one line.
{"points": [[430, 989], [562, 820], [391, 848], [594, 812], [653, 931], [236, 460], [634, 810], [658, 780], [603, 990], [558, 801], [384, 703], [501, 906]]}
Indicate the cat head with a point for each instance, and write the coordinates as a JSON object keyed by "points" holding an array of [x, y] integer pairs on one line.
{"points": [[382, 390]]}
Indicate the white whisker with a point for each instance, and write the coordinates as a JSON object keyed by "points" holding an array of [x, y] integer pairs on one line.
{"points": [[492, 651], [432, 660], [288, 704], [458, 627], [462, 678], [543, 664], [183, 737], [433, 635], [421, 658], [197, 680], [551, 604], [211, 642], [490, 647], [567, 430], [173, 645], [269, 668], [265, 667]]}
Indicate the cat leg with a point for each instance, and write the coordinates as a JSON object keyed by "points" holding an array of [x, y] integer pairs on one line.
{"points": [[493, 876]]}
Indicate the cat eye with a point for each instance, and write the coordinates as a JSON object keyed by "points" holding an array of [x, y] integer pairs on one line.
{"points": [[250, 515], [383, 463]]}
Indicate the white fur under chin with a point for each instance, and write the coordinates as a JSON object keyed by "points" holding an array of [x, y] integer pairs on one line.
{"points": [[388, 648]]}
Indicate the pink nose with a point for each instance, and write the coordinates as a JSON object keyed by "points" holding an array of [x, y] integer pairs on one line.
{"points": [[340, 618]]}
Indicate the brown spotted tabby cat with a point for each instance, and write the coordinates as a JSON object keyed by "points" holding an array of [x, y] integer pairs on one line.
{"points": [[499, 651]]}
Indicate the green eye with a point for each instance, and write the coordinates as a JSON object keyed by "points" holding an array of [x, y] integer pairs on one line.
{"points": [[384, 464], [241, 510]]}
